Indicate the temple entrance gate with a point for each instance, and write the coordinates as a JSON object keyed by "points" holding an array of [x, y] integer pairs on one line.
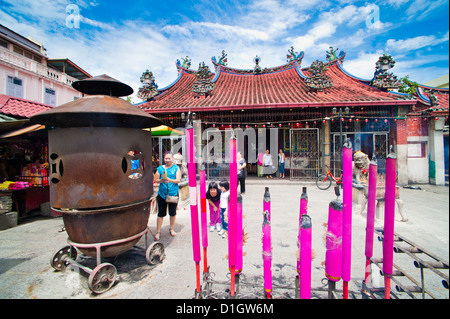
{"points": [[304, 159]]}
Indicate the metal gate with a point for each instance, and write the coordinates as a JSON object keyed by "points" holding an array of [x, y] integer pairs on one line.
{"points": [[304, 147]]}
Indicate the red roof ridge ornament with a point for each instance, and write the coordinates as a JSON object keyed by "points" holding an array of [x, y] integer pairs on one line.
{"points": [[223, 59], [220, 65], [293, 56], [149, 88], [383, 79], [332, 56], [257, 68], [433, 98], [203, 84], [186, 62], [318, 81], [184, 65]]}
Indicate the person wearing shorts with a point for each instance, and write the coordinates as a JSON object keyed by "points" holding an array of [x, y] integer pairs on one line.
{"points": [[168, 175]]}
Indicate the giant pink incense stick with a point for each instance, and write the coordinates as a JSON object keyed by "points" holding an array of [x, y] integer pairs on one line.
{"points": [[347, 215], [333, 255], [370, 223], [305, 257], [203, 218], [267, 245], [239, 236], [303, 211], [389, 214], [192, 176], [232, 213], [303, 203]]}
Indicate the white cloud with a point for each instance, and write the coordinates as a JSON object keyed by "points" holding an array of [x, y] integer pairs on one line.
{"points": [[415, 43], [268, 28], [363, 66], [176, 30], [42, 10], [397, 3], [95, 23], [228, 32], [420, 9], [329, 22], [417, 67]]}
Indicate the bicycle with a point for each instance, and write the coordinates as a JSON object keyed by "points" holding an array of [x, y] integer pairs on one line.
{"points": [[323, 181]]}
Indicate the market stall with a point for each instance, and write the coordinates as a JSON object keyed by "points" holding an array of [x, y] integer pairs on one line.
{"points": [[23, 170]]}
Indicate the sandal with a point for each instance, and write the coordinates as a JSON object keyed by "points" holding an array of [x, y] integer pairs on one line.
{"points": [[158, 234], [172, 232]]}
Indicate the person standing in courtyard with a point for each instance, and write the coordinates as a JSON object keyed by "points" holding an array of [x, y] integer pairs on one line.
{"points": [[168, 175], [213, 196], [281, 158], [225, 189], [241, 171], [268, 164]]}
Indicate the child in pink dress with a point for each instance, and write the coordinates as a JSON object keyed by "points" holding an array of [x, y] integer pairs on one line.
{"points": [[213, 197]]}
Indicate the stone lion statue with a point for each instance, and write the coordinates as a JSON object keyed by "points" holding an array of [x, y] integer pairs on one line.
{"points": [[178, 160], [360, 165]]}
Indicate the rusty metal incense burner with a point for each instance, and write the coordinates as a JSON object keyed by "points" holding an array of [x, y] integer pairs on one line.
{"points": [[100, 174]]}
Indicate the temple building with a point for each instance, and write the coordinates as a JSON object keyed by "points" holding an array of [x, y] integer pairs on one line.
{"points": [[306, 111]]}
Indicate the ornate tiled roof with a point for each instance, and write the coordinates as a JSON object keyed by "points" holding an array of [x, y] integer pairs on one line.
{"points": [[433, 100], [279, 87], [21, 108]]}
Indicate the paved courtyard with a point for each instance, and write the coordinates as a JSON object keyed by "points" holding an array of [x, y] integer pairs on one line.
{"points": [[25, 250]]}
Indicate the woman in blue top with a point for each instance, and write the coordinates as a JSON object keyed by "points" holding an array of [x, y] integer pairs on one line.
{"points": [[168, 176]]}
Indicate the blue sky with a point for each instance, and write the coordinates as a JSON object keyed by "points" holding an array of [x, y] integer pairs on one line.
{"points": [[123, 39]]}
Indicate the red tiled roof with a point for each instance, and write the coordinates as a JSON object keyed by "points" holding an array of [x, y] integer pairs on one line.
{"points": [[15, 106], [442, 95], [283, 88]]}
